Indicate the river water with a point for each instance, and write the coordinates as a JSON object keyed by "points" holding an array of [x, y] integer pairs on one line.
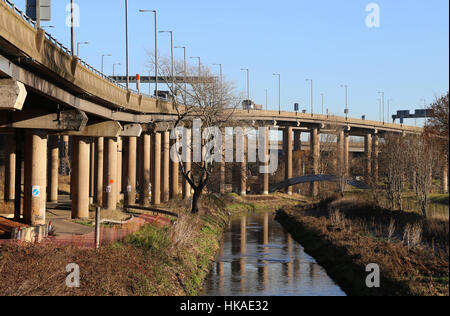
{"points": [[258, 258]]}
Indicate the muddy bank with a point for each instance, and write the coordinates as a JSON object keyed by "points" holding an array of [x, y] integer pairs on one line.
{"points": [[345, 252]]}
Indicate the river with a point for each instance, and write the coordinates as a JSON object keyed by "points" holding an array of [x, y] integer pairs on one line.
{"points": [[258, 258]]}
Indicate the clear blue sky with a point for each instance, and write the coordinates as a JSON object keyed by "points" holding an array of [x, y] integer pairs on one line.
{"points": [[327, 40]]}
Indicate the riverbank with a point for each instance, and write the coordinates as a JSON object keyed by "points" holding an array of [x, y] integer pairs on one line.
{"points": [[155, 261], [345, 236]]}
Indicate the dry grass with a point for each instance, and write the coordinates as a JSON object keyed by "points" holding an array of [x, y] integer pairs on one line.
{"points": [[413, 253], [169, 261]]}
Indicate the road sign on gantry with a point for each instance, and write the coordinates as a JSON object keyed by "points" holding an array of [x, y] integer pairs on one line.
{"points": [[45, 9]]}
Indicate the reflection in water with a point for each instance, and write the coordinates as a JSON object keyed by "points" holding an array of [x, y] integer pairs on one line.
{"points": [[252, 264]]}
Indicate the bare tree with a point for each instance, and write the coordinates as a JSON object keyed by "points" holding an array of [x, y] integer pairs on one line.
{"points": [[204, 97], [393, 159], [423, 154]]}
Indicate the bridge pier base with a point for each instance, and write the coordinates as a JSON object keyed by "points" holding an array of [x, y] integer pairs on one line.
{"points": [[99, 161], [346, 154], [35, 177], [53, 168], [444, 180], [375, 155], [368, 156], [287, 147], [10, 170], [131, 145], [222, 166], [165, 170], [243, 164], [110, 174], [145, 167], [156, 168], [119, 167], [174, 174], [80, 177], [264, 177], [187, 160], [315, 158], [92, 171]]}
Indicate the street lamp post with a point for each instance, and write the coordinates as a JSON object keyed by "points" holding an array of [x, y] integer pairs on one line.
{"points": [[156, 47], [279, 92], [322, 102], [199, 66], [389, 109], [103, 60], [221, 74], [312, 96], [346, 100], [114, 68], [72, 28], [78, 47], [184, 70], [248, 87], [267, 100], [382, 103], [126, 45], [171, 59]]}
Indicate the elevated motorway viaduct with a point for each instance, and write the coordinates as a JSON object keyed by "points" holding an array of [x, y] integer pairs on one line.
{"points": [[54, 106]]}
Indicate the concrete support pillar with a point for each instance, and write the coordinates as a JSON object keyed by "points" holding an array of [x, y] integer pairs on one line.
{"points": [[243, 164], [444, 180], [222, 166], [10, 170], [131, 171], [297, 140], [165, 170], [346, 153], [145, 168], [368, 155], [35, 177], [315, 159], [264, 177], [156, 168], [119, 168], [288, 151], [53, 167], [80, 177], [99, 163], [110, 174], [341, 153], [92, 170], [375, 154], [174, 176], [187, 160]]}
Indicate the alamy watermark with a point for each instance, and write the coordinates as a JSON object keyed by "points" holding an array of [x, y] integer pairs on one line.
{"points": [[73, 278], [373, 278], [262, 145], [374, 16]]}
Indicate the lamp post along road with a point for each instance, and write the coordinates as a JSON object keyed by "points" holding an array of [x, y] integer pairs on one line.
{"points": [[156, 47], [248, 87], [346, 100], [126, 46], [78, 47], [382, 103], [103, 61], [312, 96], [199, 66], [114, 68], [172, 62], [279, 92], [184, 70]]}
